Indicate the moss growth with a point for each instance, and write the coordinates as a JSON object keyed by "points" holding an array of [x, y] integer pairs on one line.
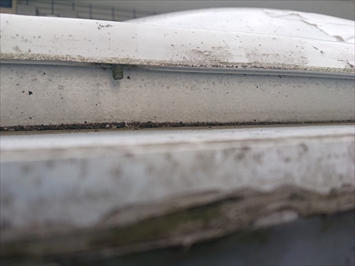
{"points": [[296, 196], [160, 227]]}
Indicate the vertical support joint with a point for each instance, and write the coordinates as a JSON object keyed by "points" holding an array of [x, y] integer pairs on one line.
{"points": [[117, 72]]}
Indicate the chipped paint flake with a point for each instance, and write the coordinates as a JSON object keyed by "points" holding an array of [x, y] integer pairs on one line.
{"points": [[342, 29]]}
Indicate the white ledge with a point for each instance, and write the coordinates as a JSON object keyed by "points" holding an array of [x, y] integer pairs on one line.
{"points": [[78, 178], [87, 41]]}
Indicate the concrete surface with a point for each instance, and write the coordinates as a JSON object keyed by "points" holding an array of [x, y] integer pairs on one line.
{"points": [[118, 192]]}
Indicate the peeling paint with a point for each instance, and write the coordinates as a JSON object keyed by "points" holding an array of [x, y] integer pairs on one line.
{"points": [[199, 48], [342, 29], [265, 21]]}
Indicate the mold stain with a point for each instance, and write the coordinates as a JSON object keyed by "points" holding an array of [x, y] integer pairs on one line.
{"points": [[159, 227], [143, 125], [233, 213], [210, 59]]}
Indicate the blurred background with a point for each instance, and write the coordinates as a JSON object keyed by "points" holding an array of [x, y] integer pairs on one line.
{"points": [[121, 10]]}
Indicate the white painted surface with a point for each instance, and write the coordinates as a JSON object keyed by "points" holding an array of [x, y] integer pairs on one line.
{"points": [[33, 38], [15, 143], [260, 69], [75, 179], [259, 21], [80, 95]]}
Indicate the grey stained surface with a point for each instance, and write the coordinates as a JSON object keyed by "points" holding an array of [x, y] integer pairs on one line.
{"points": [[327, 240], [173, 74], [76, 95], [195, 184], [315, 241]]}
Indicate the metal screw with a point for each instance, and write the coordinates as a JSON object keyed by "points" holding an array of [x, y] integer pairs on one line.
{"points": [[117, 72]]}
